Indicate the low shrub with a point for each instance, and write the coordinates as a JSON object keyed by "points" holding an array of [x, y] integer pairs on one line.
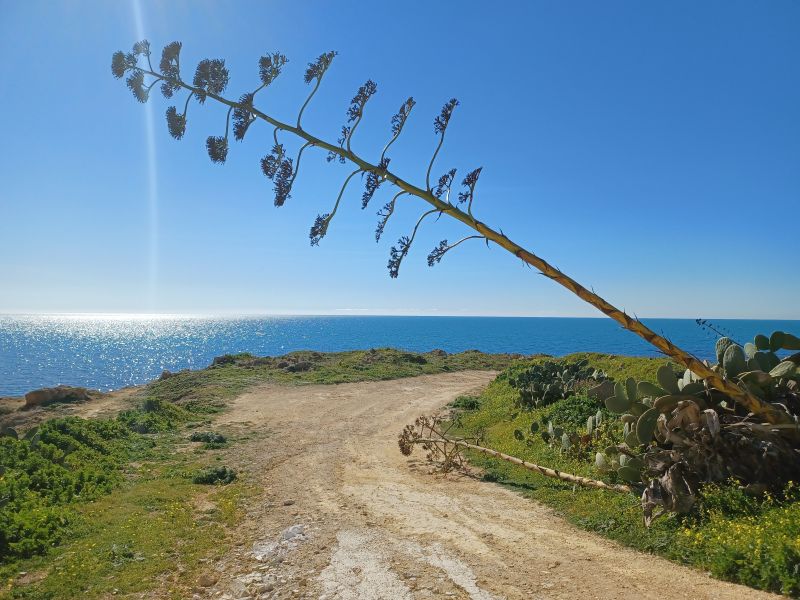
{"points": [[214, 475], [153, 416], [66, 461], [466, 403], [209, 439]]}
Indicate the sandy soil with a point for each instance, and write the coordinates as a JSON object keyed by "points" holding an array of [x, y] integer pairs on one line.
{"points": [[342, 514]]}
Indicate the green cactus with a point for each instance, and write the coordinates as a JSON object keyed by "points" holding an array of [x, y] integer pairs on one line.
{"points": [[646, 425], [764, 361], [666, 404], [630, 389], [722, 346], [618, 403], [549, 381], [761, 342], [602, 463], [647, 389], [734, 361], [790, 342], [667, 380], [630, 474], [776, 340], [631, 439]]}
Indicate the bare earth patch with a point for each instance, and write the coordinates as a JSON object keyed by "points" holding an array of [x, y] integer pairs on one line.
{"points": [[342, 514]]}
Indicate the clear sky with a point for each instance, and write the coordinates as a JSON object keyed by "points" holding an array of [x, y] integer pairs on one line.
{"points": [[648, 149]]}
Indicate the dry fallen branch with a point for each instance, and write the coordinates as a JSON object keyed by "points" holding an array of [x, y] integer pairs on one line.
{"points": [[427, 432]]}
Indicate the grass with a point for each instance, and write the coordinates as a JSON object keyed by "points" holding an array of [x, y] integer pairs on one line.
{"points": [[754, 541]]}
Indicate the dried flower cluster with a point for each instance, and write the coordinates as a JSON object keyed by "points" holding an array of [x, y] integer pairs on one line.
{"points": [[445, 181], [277, 167], [384, 214], [211, 77], [437, 253], [269, 67], [217, 148], [359, 101], [243, 116], [170, 69], [400, 117], [397, 254], [176, 123], [441, 122], [319, 228], [374, 180], [317, 68]]}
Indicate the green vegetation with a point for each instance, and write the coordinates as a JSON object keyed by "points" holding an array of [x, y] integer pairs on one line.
{"points": [[207, 389], [750, 539], [88, 506], [66, 461], [213, 475], [546, 381], [211, 440], [154, 416]]}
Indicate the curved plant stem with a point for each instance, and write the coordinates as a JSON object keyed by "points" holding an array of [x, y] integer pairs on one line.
{"points": [[389, 212], [186, 105], [311, 95], [419, 222], [430, 165], [388, 145], [352, 131], [297, 163], [714, 379], [461, 241], [341, 193]]}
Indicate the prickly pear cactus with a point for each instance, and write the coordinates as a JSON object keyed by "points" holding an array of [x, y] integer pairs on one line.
{"points": [[549, 381]]}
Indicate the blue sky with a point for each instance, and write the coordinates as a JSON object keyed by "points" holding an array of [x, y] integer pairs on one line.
{"points": [[650, 150]]}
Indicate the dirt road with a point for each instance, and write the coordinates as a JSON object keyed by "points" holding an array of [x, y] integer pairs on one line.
{"points": [[344, 515]]}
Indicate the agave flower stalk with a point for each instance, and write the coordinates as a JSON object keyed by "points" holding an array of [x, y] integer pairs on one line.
{"points": [[210, 81]]}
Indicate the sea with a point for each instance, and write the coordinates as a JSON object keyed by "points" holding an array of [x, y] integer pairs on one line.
{"points": [[113, 351]]}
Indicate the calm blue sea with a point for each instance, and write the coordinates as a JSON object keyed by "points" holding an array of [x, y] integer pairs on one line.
{"points": [[107, 352]]}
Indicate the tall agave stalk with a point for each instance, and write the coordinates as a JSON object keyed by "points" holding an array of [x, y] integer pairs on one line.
{"points": [[210, 81]]}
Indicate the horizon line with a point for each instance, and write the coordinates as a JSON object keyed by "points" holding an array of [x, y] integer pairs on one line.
{"points": [[343, 313]]}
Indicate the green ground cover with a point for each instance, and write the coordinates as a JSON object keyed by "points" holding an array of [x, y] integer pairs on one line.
{"points": [[94, 507], [97, 507], [735, 536]]}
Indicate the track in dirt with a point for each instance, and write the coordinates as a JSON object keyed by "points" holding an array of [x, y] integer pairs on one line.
{"points": [[344, 515]]}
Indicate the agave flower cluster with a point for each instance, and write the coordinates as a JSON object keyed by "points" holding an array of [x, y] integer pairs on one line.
{"points": [[211, 79]]}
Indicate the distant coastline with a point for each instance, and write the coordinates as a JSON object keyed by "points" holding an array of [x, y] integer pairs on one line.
{"points": [[113, 351]]}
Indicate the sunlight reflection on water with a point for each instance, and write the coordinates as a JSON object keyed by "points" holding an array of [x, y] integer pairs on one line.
{"points": [[112, 351]]}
